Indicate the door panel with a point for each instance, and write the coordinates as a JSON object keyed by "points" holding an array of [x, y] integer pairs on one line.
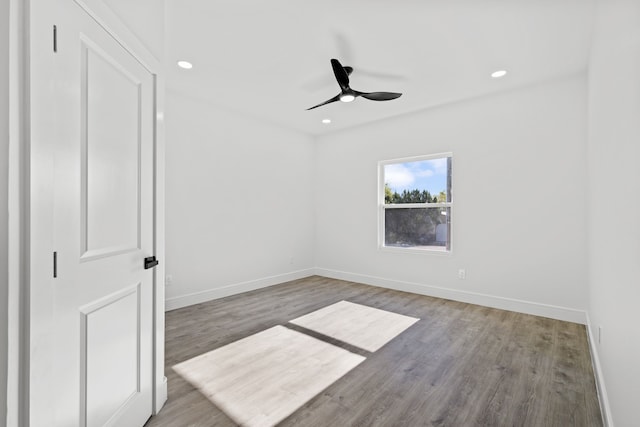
{"points": [[111, 132], [111, 334]]}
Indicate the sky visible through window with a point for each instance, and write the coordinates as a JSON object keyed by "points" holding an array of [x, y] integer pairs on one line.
{"points": [[430, 175]]}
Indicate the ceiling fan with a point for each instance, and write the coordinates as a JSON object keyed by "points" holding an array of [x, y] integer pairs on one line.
{"points": [[347, 94]]}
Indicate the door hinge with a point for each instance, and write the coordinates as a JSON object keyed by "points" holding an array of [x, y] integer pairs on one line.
{"points": [[55, 265], [55, 39]]}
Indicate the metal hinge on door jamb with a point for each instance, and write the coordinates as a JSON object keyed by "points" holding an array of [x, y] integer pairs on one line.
{"points": [[55, 39]]}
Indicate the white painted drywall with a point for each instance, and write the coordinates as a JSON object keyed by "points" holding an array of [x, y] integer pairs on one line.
{"points": [[519, 222], [239, 201], [4, 203], [614, 203]]}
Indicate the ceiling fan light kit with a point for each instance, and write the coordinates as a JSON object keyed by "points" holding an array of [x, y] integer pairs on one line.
{"points": [[346, 93], [347, 97]]}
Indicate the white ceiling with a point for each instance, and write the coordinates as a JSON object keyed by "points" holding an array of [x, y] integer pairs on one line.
{"points": [[270, 59]]}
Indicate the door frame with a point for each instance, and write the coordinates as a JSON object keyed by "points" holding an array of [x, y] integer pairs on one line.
{"points": [[26, 225]]}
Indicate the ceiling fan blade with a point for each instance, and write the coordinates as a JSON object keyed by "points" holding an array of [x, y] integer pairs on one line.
{"points": [[334, 99], [379, 96], [341, 74]]}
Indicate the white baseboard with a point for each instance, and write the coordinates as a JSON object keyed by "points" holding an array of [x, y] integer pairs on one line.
{"points": [[520, 306], [161, 395], [605, 408], [236, 288]]}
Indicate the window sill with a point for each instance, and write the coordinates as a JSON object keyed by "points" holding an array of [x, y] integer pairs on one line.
{"points": [[424, 250]]}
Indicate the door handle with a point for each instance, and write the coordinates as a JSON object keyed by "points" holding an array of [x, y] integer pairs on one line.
{"points": [[150, 262]]}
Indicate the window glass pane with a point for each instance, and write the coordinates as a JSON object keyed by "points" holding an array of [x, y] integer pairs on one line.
{"points": [[421, 228], [423, 181]]}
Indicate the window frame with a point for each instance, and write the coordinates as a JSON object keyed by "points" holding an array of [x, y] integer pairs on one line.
{"points": [[382, 207]]}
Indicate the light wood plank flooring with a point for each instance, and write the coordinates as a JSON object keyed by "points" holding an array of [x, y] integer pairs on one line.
{"points": [[460, 365]]}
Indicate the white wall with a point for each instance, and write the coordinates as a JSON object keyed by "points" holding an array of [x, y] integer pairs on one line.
{"points": [[4, 206], [614, 204], [519, 222], [239, 202]]}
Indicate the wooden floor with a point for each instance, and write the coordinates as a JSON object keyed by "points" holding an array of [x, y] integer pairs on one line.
{"points": [[460, 365]]}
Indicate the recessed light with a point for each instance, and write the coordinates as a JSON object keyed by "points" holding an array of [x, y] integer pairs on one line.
{"points": [[185, 64], [326, 121], [498, 74]]}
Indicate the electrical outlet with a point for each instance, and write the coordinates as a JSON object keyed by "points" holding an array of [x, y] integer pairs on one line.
{"points": [[168, 280], [462, 273]]}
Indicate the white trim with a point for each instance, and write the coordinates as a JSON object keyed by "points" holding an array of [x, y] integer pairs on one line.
{"points": [[18, 310], [416, 158], [414, 250], [159, 380], [603, 398], [236, 288], [161, 395], [511, 304], [112, 23]]}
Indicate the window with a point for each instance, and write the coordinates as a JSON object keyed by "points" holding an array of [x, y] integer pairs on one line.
{"points": [[415, 203]]}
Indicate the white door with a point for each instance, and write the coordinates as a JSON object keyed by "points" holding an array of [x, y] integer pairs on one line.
{"points": [[93, 107]]}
